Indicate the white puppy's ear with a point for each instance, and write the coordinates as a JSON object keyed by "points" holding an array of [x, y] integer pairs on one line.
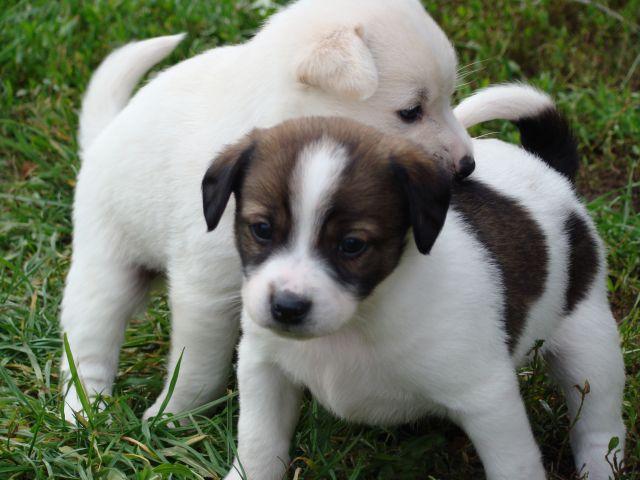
{"points": [[340, 63]]}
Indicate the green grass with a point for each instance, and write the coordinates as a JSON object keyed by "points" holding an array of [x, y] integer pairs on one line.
{"points": [[586, 55]]}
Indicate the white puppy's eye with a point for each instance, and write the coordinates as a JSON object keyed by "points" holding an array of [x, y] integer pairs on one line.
{"points": [[411, 115], [262, 231], [352, 247]]}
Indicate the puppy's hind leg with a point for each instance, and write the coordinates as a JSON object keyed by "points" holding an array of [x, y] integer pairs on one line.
{"points": [[493, 416], [586, 348], [205, 306], [100, 296]]}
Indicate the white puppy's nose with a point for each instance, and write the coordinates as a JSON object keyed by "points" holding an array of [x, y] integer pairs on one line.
{"points": [[457, 142]]}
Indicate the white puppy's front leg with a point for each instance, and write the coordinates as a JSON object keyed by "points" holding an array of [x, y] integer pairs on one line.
{"points": [[269, 408], [494, 418], [204, 333]]}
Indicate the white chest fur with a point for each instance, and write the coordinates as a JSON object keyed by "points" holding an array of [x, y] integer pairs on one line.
{"points": [[355, 379]]}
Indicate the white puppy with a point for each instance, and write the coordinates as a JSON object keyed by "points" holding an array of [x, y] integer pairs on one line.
{"points": [[137, 202], [338, 300]]}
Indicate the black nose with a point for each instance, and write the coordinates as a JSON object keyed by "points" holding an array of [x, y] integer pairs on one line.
{"points": [[465, 167], [289, 308]]}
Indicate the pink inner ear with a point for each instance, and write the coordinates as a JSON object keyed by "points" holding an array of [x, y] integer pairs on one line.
{"points": [[340, 64]]}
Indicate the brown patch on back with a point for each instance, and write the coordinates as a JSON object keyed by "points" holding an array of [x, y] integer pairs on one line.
{"points": [[515, 242], [583, 260]]}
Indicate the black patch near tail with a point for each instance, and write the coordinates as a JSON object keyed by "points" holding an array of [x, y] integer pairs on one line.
{"points": [[549, 136], [515, 242], [583, 260]]}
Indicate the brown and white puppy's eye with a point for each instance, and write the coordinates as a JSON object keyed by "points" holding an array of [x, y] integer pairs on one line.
{"points": [[411, 115], [262, 232], [352, 247]]}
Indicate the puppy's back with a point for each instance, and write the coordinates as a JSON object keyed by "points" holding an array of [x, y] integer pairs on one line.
{"points": [[536, 231]]}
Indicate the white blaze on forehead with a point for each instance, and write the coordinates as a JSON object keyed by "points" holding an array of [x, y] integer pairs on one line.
{"points": [[315, 179]]}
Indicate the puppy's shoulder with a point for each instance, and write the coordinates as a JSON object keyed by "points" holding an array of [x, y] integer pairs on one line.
{"points": [[518, 174]]}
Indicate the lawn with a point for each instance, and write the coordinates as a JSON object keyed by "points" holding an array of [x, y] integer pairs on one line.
{"points": [[587, 54]]}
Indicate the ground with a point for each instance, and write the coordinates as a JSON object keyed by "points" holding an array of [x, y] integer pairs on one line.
{"points": [[585, 53]]}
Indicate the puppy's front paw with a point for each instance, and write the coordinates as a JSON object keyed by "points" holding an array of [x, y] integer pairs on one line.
{"points": [[154, 409], [73, 406]]}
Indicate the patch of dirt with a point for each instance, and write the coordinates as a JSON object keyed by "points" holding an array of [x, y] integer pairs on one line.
{"points": [[597, 179]]}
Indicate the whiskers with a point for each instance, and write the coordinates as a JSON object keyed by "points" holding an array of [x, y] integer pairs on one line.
{"points": [[465, 71], [485, 135]]}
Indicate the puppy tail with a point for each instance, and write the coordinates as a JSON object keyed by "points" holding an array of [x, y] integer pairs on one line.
{"points": [[113, 82], [544, 131]]}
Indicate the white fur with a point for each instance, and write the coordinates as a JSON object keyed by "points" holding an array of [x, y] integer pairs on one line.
{"points": [[113, 82], [502, 102], [138, 204], [430, 339]]}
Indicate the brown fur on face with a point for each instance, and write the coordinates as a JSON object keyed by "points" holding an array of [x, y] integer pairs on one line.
{"points": [[388, 185]]}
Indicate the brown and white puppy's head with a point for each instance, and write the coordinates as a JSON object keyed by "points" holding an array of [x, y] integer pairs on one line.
{"points": [[384, 63], [323, 208]]}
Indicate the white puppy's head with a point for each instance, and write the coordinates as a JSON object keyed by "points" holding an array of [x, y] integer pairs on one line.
{"points": [[384, 63], [323, 207]]}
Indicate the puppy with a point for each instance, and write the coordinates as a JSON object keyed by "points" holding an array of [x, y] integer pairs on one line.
{"points": [[137, 201], [383, 329]]}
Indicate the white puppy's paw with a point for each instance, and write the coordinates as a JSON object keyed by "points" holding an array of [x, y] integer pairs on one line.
{"points": [[593, 458], [73, 407], [154, 409]]}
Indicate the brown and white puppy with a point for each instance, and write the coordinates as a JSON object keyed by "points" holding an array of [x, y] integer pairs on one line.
{"points": [[383, 329]]}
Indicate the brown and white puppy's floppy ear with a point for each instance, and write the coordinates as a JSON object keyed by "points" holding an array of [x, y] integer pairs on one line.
{"points": [[339, 62], [224, 176], [427, 188]]}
